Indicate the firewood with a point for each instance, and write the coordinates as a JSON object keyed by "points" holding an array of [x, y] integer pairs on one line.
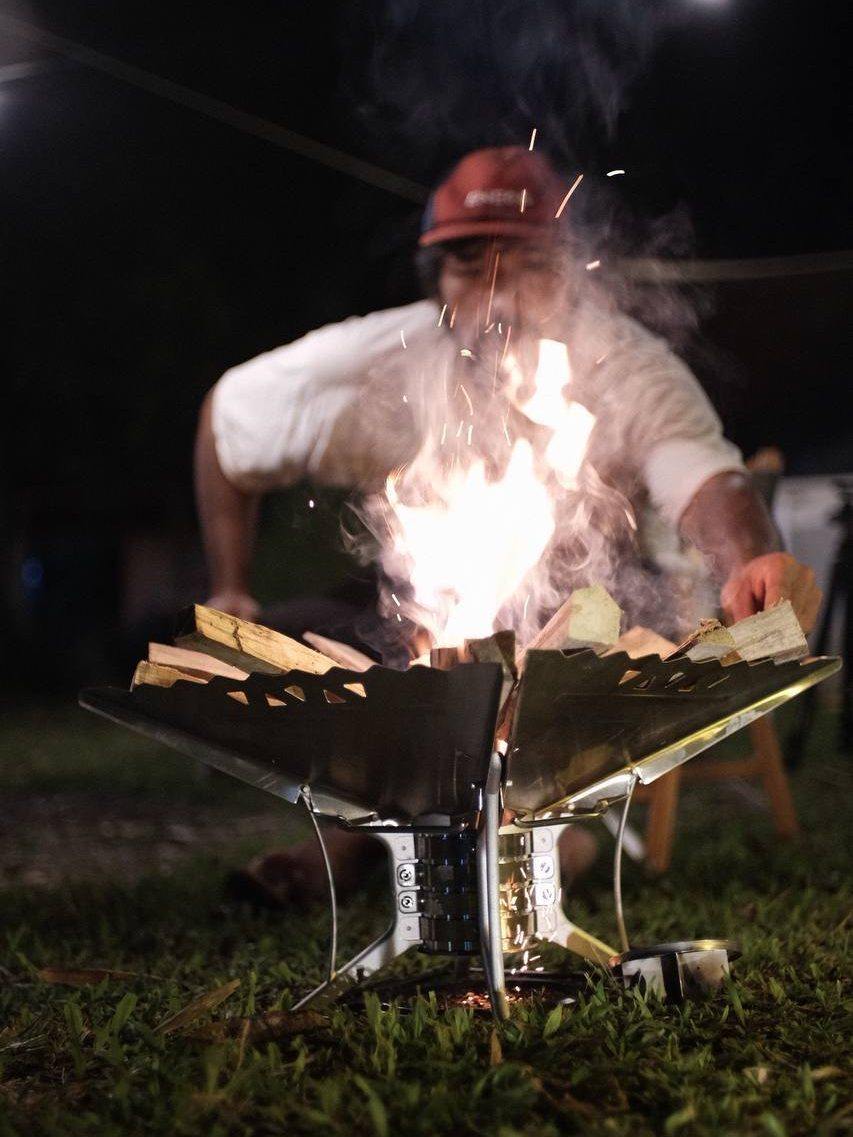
{"points": [[639, 641], [497, 648], [443, 658], [194, 662], [342, 654], [774, 634], [247, 646], [156, 675], [589, 618], [149, 674]]}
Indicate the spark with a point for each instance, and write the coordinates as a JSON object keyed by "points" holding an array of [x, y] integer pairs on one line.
{"points": [[532, 139], [601, 359], [310, 502], [453, 316], [466, 352], [470, 432], [500, 328], [394, 598], [489, 328], [403, 337], [614, 173], [443, 435], [399, 618], [523, 200], [506, 435], [592, 265], [405, 398], [506, 343], [526, 603], [565, 200], [495, 274], [467, 398], [441, 317], [459, 428]]}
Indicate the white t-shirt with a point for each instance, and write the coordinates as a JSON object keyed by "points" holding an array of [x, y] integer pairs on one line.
{"points": [[334, 406]]}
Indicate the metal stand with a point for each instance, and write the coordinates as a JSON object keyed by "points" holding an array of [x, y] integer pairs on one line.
{"points": [[416, 902], [837, 593]]}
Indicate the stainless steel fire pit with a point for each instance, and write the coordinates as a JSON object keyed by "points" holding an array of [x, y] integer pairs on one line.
{"points": [[411, 758]]}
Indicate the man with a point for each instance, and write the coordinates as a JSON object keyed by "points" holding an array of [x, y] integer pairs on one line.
{"points": [[334, 406]]}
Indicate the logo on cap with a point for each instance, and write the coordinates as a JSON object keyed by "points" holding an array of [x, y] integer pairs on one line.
{"points": [[503, 198]]}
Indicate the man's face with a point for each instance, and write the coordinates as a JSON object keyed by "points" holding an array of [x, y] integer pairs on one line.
{"points": [[493, 284]]}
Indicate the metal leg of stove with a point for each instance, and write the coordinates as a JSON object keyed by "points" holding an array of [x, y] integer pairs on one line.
{"points": [[552, 923], [488, 869], [403, 932]]}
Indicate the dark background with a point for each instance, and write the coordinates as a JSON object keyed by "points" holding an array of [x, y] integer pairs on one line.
{"points": [[145, 248]]}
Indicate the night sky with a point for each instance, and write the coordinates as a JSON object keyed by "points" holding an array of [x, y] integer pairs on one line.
{"points": [[146, 248]]}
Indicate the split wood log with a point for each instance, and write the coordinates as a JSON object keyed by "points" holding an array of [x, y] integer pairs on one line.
{"points": [[589, 618], [250, 647], [443, 658], [774, 634], [149, 674], [194, 662], [156, 675], [497, 648], [639, 641], [342, 654]]}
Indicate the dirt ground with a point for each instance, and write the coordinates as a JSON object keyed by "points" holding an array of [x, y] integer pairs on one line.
{"points": [[48, 839]]}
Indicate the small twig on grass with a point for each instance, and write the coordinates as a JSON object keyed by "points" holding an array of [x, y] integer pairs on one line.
{"points": [[197, 1007]]}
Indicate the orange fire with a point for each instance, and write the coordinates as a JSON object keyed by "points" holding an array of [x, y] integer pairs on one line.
{"points": [[471, 544]]}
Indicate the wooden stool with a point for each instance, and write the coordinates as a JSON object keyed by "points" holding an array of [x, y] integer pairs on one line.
{"points": [[764, 763]]}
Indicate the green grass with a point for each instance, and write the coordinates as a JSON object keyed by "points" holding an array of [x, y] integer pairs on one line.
{"points": [[766, 1057]]}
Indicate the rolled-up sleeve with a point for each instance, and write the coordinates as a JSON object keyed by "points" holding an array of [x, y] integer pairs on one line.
{"points": [[673, 434], [301, 410], [274, 415], [676, 469]]}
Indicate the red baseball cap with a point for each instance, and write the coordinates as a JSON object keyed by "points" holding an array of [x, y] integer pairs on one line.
{"points": [[500, 191]]}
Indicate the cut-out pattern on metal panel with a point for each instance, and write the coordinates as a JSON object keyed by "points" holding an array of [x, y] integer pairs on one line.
{"points": [[392, 743], [582, 717]]}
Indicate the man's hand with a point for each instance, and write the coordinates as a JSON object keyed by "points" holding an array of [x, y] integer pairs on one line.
{"points": [[239, 604], [765, 581]]}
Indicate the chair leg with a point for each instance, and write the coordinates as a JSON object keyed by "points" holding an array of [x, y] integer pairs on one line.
{"points": [[660, 823], [771, 768]]}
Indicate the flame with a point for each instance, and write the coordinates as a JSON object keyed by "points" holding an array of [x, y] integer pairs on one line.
{"points": [[570, 422], [467, 544], [469, 550]]}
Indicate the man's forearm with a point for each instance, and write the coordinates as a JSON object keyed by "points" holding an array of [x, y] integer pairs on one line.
{"points": [[228, 515], [729, 523]]}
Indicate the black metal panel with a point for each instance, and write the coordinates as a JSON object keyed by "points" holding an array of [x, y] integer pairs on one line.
{"points": [[582, 717], [414, 743]]}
